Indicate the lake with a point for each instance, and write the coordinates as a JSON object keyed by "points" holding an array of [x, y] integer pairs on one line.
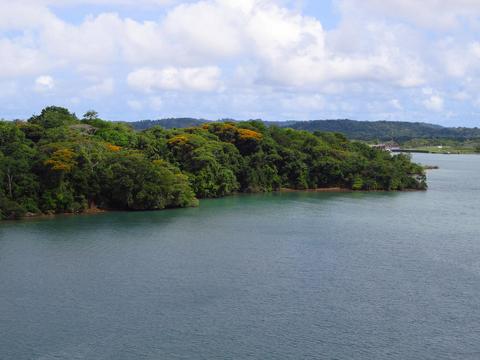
{"points": [[275, 276]]}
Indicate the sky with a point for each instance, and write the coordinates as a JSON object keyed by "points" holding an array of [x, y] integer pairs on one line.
{"points": [[401, 60]]}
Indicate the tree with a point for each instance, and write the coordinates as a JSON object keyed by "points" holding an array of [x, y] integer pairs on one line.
{"points": [[131, 181], [90, 115], [54, 116]]}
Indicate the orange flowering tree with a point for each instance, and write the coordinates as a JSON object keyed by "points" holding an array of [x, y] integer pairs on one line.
{"points": [[61, 160]]}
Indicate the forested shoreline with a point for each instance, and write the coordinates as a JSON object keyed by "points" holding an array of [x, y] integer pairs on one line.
{"points": [[58, 163]]}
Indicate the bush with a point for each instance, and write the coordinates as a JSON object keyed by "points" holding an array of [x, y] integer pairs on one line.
{"points": [[10, 209]]}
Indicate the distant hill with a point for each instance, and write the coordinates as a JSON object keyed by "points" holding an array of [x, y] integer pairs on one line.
{"points": [[171, 123], [387, 130], [358, 130], [180, 123]]}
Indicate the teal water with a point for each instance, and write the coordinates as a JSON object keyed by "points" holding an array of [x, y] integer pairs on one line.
{"points": [[278, 276]]}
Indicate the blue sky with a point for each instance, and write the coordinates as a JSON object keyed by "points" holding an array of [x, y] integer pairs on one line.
{"points": [[405, 60]]}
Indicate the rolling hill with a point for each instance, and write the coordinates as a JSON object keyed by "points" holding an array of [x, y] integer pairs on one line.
{"points": [[353, 129]]}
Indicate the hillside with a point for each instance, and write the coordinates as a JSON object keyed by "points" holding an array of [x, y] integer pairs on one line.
{"points": [[171, 123], [358, 130], [388, 130]]}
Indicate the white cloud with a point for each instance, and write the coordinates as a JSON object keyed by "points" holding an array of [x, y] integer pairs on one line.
{"points": [[395, 103], [459, 58], [67, 3], [206, 29], [18, 59], [172, 78], [290, 49], [427, 91], [475, 49], [93, 43], [23, 15], [378, 50], [305, 102], [434, 103], [44, 83], [101, 88], [436, 14], [296, 51]]}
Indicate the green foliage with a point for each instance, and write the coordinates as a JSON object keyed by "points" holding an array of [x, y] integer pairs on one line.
{"points": [[211, 164], [176, 123], [55, 163], [90, 115], [133, 182], [10, 209], [115, 133], [382, 131], [54, 116], [409, 134]]}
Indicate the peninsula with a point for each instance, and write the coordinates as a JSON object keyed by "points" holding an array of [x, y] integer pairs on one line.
{"points": [[58, 163]]}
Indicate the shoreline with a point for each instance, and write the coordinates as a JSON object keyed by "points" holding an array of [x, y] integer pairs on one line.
{"points": [[91, 211], [96, 210], [325, 190]]}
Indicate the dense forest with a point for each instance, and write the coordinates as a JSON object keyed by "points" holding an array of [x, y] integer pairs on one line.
{"points": [[58, 163], [400, 132], [171, 123]]}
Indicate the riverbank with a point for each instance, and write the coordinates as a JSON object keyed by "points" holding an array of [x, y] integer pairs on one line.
{"points": [[328, 190], [96, 210], [29, 215]]}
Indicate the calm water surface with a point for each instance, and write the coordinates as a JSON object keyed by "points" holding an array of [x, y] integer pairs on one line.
{"points": [[279, 276]]}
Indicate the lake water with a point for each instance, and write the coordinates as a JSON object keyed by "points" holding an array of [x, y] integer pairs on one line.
{"points": [[277, 276]]}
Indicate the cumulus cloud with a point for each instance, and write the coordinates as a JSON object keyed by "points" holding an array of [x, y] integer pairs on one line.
{"points": [[19, 59], [172, 78], [207, 29], [395, 103], [24, 15], [313, 102], [66, 3], [101, 88], [289, 49], [44, 83], [443, 14], [377, 50], [434, 103]]}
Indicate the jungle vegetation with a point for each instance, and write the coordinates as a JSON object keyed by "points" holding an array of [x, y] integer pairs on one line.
{"points": [[58, 163], [407, 134]]}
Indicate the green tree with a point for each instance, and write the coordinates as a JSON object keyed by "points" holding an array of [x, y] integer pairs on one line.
{"points": [[131, 181], [90, 115], [54, 116]]}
